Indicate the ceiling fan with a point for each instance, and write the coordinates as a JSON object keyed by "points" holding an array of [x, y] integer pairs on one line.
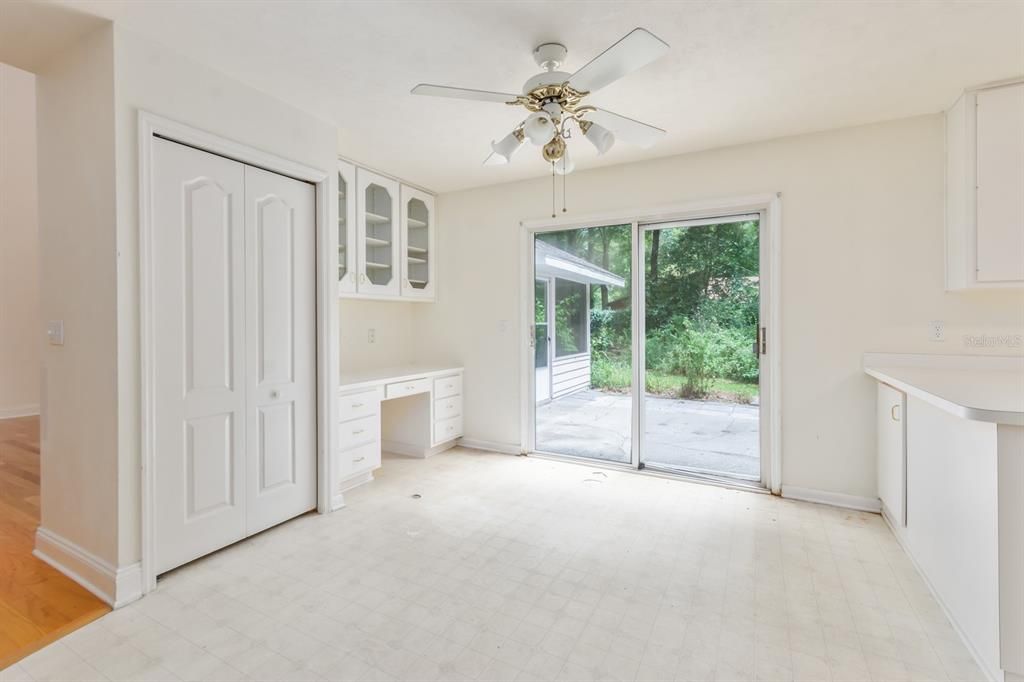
{"points": [[554, 98]]}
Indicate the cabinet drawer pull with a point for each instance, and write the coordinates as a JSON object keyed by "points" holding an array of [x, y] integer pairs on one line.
{"points": [[894, 413], [358, 431], [411, 387], [356, 406], [358, 459]]}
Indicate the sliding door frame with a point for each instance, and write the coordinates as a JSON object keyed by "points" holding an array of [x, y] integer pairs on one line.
{"points": [[769, 206]]}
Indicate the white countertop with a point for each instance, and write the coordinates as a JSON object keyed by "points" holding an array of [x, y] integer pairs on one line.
{"points": [[983, 388], [361, 378]]}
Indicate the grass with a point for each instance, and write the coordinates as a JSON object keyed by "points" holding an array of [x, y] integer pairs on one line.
{"points": [[617, 377]]}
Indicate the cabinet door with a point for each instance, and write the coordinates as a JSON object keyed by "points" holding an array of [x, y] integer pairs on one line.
{"points": [[892, 453], [418, 258], [347, 266], [1000, 186], [377, 237]]}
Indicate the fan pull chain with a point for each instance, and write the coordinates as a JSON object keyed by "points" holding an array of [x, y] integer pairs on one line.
{"points": [[563, 185], [552, 189]]}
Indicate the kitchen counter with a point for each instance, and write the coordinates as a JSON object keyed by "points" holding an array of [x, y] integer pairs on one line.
{"points": [[981, 388]]}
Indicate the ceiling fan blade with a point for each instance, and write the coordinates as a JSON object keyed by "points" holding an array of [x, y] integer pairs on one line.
{"points": [[638, 48], [463, 93], [627, 129]]}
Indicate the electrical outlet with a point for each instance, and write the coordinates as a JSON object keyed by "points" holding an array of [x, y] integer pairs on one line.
{"points": [[371, 335], [936, 330], [55, 332]]}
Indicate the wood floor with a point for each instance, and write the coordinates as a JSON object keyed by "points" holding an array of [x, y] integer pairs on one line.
{"points": [[37, 603]]}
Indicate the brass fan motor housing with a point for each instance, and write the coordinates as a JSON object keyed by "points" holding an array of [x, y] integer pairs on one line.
{"points": [[566, 96]]}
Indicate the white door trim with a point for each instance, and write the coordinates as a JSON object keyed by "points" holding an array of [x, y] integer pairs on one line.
{"points": [[150, 126], [770, 206]]}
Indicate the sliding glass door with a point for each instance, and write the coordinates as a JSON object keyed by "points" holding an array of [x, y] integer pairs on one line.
{"points": [[702, 308], [582, 343], [684, 299]]}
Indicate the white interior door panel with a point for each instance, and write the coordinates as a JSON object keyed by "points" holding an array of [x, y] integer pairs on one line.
{"points": [[198, 283], [281, 348]]}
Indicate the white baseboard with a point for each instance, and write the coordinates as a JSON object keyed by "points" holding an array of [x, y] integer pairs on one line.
{"points": [[116, 586], [868, 504], [19, 411], [409, 450], [490, 446]]}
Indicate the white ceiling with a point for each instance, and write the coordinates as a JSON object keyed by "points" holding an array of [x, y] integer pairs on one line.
{"points": [[737, 71]]}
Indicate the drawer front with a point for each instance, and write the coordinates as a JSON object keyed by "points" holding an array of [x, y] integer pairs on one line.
{"points": [[360, 458], [359, 431], [448, 386], [446, 408], [447, 429], [357, 405], [411, 387]]}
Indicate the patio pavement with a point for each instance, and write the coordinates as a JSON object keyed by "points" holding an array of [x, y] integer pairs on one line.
{"points": [[699, 435]]}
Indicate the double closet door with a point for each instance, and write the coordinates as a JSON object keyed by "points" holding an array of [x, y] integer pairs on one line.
{"points": [[235, 363]]}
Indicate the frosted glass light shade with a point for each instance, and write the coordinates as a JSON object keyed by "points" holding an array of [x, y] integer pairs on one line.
{"points": [[564, 165], [507, 147], [600, 137], [539, 128]]}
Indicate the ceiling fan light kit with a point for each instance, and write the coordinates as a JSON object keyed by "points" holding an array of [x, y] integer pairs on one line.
{"points": [[555, 98]]}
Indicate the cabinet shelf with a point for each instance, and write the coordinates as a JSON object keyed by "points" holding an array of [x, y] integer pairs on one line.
{"points": [[370, 265], [418, 224], [373, 241], [415, 260], [376, 218], [415, 249], [418, 281]]}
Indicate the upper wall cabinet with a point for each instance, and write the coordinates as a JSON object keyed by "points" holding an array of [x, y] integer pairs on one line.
{"points": [[347, 265], [985, 189], [377, 215], [385, 237], [418, 261]]}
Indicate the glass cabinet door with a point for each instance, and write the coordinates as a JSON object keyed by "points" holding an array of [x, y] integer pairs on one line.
{"points": [[417, 244], [346, 227], [378, 238]]}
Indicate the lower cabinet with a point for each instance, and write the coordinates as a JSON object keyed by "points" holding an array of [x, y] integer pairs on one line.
{"points": [[359, 437], [892, 453]]}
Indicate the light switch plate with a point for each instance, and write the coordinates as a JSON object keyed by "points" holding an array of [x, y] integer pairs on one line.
{"points": [[371, 335], [55, 332]]}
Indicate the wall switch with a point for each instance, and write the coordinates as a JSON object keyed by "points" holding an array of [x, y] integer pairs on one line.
{"points": [[936, 330], [371, 335], [502, 326], [55, 332]]}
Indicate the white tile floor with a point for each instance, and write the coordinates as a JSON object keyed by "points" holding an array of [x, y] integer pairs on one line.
{"points": [[512, 568]]}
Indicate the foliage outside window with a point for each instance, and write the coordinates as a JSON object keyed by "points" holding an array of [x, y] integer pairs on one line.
{"points": [[570, 318]]}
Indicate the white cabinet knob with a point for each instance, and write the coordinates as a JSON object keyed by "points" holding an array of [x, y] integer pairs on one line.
{"points": [[275, 394]]}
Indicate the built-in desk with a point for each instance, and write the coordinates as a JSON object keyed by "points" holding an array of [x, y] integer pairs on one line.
{"points": [[412, 410]]}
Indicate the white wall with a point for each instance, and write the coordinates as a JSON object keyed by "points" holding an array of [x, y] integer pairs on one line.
{"points": [[862, 270], [20, 330], [393, 325], [78, 264]]}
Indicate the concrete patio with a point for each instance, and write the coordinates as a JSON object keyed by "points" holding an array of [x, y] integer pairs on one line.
{"points": [[704, 436]]}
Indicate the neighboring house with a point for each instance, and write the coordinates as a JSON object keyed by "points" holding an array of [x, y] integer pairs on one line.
{"points": [[562, 323]]}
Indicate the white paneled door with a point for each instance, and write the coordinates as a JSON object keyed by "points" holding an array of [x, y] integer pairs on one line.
{"points": [[234, 373], [280, 348]]}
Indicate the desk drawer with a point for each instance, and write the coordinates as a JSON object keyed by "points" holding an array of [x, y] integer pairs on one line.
{"points": [[447, 429], [404, 388], [446, 408], [359, 431], [361, 458], [448, 386], [357, 405]]}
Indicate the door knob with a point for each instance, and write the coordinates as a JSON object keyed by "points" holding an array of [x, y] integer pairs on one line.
{"points": [[275, 394]]}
